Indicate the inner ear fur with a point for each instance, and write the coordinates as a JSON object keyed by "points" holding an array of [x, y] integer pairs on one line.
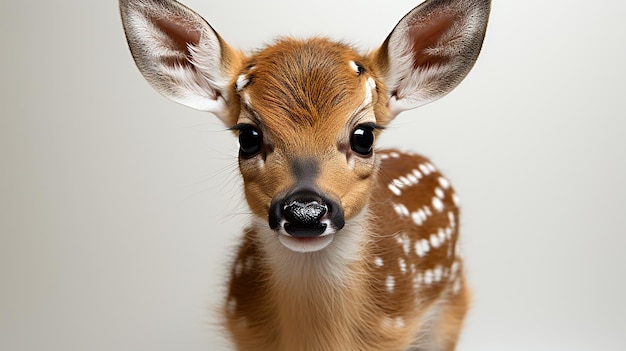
{"points": [[431, 50], [180, 54]]}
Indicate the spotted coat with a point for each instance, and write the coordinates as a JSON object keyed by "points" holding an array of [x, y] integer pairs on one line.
{"points": [[414, 264]]}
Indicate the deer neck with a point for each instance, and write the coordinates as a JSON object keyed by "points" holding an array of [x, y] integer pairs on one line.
{"points": [[315, 292]]}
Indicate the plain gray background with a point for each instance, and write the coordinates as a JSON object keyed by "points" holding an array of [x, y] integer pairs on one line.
{"points": [[119, 209]]}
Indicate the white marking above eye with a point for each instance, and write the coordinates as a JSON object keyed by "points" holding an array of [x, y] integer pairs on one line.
{"points": [[371, 85], [242, 81], [354, 66]]}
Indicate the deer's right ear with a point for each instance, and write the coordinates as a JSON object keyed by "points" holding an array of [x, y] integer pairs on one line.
{"points": [[431, 50], [179, 54]]}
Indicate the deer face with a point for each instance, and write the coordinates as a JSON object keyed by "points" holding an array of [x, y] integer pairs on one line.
{"points": [[307, 120]]}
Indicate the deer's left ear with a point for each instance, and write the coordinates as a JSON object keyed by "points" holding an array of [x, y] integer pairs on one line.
{"points": [[431, 50], [180, 55]]}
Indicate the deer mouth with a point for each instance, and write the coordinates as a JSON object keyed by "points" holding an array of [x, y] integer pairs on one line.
{"points": [[309, 238], [304, 243]]}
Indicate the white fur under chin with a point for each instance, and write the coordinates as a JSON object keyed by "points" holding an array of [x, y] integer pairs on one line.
{"points": [[326, 259]]}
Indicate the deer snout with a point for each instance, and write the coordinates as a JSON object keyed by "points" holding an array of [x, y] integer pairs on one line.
{"points": [[306, 214]]}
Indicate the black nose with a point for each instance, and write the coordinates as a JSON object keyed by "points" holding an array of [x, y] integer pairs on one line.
{"points": [[305, 213]]}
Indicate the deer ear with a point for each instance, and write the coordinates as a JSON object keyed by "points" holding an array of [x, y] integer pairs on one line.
{"points": [[179, 54], [431, 50]]}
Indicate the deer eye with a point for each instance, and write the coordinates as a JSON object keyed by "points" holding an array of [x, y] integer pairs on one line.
{"points": [[250, 140], [362, 139]]}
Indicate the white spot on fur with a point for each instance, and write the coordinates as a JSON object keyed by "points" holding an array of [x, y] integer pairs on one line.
{"points": [[405, 180], [378, 262], [417, 174], [448, 233], [438, 273], [418, 280], [434, 241], [406, 244], [455, 268], [402, 264], [444, 182], [390, 283], [417, 218], [392, 323], [394, 189], [456, 199], [419, 251], [422, 247], [428, 277], [424, 169], [442, 235], [437, 204], [427, 210], [420, 216], [399, 184], [452, 219], [399, 322], [431, 167], [439, 193], [394, 154], [401, 210]]}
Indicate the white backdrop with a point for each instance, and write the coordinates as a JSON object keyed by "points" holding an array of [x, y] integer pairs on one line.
{"points": [[119, 209]]}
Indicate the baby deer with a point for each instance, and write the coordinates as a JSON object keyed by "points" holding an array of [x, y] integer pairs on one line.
{"points": [[349, 247]]}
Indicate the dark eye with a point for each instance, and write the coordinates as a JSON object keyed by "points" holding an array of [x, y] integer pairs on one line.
{"points": [[250, 140], [362, 140]]}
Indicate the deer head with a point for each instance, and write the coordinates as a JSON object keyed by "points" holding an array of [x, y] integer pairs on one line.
{"points": [[307, 112]]}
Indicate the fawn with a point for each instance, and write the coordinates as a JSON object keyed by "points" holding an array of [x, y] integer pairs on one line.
{"points": [[349, 247]]}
